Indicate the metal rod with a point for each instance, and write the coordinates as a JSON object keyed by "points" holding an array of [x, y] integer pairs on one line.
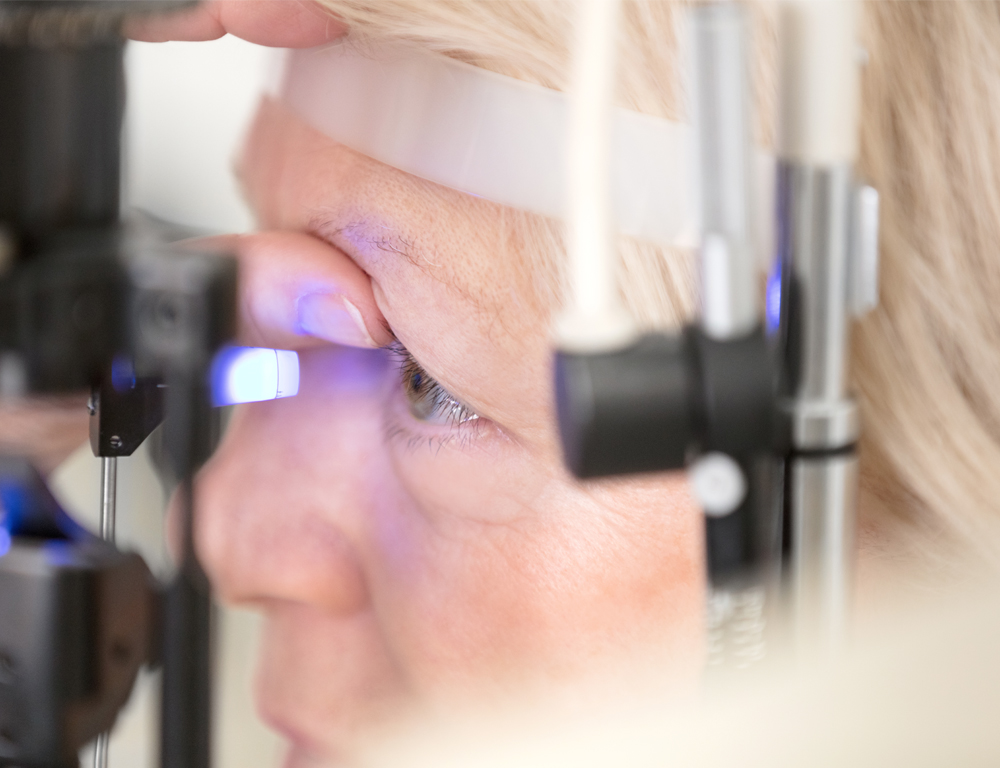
{"points": [[109, 493], [594, 318], [109, 499], [822, 497], [101, 751], [721, 90], [822, 417], [817, 146]]}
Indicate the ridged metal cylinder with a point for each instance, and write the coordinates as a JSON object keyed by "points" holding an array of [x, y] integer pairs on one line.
{"points": [[821, 473]]}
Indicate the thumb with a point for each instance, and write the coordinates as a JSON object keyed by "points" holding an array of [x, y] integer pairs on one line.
{"points": [[296, 292]]}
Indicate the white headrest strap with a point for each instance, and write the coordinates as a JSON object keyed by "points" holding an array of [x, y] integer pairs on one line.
{"points": [[486, 134]]}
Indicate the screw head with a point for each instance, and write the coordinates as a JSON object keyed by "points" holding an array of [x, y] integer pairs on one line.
{"points": [[115, 441], [718, 483]]}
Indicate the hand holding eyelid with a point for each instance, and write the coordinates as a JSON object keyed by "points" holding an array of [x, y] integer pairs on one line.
{"points": [[296, 292]]}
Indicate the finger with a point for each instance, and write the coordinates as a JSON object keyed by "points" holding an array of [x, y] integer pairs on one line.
{"points": [[296, 291], [276, 23]]}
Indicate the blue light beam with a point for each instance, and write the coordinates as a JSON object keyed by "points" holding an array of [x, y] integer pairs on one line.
{"points": [[253, 374]]}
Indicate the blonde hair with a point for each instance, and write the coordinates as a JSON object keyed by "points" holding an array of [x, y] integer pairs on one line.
{"points": [[926, 366]]}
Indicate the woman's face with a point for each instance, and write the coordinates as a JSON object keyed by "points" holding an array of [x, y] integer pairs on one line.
{"points": [[405, 523]]}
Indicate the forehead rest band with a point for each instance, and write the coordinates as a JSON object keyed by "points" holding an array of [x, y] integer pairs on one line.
{"points": [[488, 135]]}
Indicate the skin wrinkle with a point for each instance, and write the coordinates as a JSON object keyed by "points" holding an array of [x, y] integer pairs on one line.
{"points": [[483, 215], [495, 320], [327, 230], [456, 530], [462, 442], [355, 231], [524, 518], [399, 433]]}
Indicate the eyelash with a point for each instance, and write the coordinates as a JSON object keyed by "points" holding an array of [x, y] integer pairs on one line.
{"points": [[428, 400]]}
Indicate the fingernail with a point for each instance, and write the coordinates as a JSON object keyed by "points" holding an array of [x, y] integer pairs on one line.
{"points": [[332, 317]]}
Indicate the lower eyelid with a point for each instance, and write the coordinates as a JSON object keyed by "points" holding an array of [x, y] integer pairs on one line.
{"points": [[462, 436], [401, 427]]}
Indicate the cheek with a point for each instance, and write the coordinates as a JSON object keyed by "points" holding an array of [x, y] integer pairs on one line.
{"points": [[523, 575], [480, 566]]}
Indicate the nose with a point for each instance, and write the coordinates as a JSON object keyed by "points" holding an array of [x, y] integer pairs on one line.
{"points": [[282, 505]]}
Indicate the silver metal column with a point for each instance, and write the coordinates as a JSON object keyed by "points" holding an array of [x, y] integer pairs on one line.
{"points": [[816, 205], [109, 492], [722, 121], [822, 500]]}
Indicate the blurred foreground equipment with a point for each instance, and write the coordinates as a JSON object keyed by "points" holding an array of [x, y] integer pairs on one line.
{"points": [[87, 304]]}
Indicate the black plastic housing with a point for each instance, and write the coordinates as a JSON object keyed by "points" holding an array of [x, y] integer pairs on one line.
{"points": [[737, 380], [652, 405], [62, 315], [77, 621], [662, 401], [123, 413], [60, 129], [629, 410], [76, 629], [740, 544]]}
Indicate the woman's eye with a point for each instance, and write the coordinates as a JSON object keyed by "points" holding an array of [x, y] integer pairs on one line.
{"points": [[429, 401]]}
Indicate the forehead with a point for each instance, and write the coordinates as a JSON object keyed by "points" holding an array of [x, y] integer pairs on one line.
{"points": [[390, 222]]}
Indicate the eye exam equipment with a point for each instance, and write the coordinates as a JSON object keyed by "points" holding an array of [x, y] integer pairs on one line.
{"points": [[91, 301], [705, 396], [762, 421]]}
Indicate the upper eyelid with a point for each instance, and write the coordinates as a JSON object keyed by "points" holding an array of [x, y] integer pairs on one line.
{"points": [[399, 350], [344, 236]]}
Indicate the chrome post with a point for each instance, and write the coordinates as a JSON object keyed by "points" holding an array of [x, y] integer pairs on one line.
{"points": [[109, 494], [827, 240], [822, 419], [722, 122]]}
